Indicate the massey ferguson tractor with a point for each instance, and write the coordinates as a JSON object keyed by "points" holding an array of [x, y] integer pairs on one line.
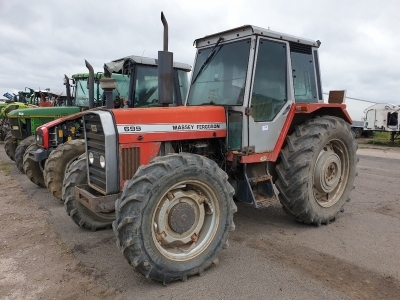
{"points": [[254, 119]]}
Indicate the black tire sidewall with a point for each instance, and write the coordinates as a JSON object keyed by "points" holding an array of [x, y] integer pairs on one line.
{"points": [[95, 221]]}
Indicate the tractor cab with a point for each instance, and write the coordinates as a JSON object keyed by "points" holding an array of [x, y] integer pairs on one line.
{"points": [[257, 74], [143, 85], [80, 90]]}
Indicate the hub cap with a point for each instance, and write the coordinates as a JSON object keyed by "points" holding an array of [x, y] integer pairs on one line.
{"points": [[185, 220], [330, 173]]}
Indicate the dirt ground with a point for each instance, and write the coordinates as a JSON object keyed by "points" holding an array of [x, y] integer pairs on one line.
{"points": [[43, 255], [34, 262]]}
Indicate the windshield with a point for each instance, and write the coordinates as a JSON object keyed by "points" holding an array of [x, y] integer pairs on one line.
{"points": [[82, 93], [121, 92], [220, 74], [183, 84]]}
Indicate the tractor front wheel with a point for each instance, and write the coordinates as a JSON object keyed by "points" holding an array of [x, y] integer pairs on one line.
{"points": [[20, 151], [10, 145], [33, 169], [76, 174], [59, 161], [174, 216], [317, 170]]}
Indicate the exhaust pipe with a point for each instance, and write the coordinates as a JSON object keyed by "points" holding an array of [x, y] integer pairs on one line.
{"points": [[91, 84], [165, 70], [68, 90]]}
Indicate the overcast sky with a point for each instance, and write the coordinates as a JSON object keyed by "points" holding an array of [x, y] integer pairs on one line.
{"points": [[41, 40]]}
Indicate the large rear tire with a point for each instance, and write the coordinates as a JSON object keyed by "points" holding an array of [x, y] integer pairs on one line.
{"points": [[76, 174], [317, 170], [174, 216], [20, 151], [58, 162], [10, 145], [33, 169]]}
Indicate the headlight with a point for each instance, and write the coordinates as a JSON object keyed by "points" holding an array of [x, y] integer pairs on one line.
{"points": [[91, 157], [39, 138], [102, 161]]}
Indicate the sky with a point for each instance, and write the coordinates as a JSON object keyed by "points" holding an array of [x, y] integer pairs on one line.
{"points": [[41, 40]]}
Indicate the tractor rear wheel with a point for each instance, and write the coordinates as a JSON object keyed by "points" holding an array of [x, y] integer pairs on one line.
{"points": [[174, 216], [33, 169], [317, 170], [58, 161], [76, 174], [10, 145], [20, 151]]}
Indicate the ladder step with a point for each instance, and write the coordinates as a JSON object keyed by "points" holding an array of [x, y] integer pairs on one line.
{"points": [[265, 201]]}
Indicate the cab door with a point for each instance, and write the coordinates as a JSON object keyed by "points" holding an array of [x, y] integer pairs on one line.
{"points": [[270, 96]]}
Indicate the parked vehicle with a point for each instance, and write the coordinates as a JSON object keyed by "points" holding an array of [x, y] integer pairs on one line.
{"points": [[383, 117], [253, 124], [60, 142]]}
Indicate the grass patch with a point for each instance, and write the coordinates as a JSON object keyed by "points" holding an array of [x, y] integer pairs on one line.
{"points": [[4, 167], [383, 139]]}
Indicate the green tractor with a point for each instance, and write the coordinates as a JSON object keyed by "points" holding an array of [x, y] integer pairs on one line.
{"points": [[86, 93], [60, 142], [20, 101], [51, 106]]}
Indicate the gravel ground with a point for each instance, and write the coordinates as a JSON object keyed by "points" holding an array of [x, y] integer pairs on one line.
{"points": [[44, 255]]}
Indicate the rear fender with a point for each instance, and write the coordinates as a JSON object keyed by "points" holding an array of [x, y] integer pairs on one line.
{"points": [[298, 114]]}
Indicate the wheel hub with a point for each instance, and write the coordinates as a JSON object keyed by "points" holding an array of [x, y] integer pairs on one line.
{"points": [[327, 172], [181, 217]]}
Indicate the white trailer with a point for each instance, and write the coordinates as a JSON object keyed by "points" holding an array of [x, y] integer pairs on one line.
{"points": [[383, 117]]}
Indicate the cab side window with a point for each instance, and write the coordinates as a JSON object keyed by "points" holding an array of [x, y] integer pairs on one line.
{"points": [[269, 93]]}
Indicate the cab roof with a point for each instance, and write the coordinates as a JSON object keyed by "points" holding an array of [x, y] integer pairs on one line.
{"points": [[249, 30], [118, 66]]}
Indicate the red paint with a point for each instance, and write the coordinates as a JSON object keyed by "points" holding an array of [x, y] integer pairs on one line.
{"points": [[295, 109]]}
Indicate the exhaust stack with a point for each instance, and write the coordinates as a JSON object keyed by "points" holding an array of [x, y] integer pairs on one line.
{"points": [[91, 84], [68, 89], [165, 70]]}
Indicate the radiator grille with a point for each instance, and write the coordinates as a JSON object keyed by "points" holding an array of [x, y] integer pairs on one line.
{"points": [[130, 158], [95, 143]]}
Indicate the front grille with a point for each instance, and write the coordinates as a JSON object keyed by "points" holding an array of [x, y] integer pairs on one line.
{"points": [[130, 158], [95, 144]]}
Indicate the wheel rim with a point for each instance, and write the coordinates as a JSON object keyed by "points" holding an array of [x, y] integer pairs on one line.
{"points": [[331, 173], [185, 220]]}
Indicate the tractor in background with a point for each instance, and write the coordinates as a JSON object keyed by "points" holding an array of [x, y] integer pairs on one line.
{"points": [[84, 93], [60, 142], [20, 101]]}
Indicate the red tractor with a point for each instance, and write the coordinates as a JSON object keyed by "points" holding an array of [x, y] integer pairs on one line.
{"points": [[254, 128]]}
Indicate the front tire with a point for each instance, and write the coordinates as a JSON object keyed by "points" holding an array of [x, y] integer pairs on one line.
{"points": [[10, 145], [33, 169], [317, 170], [20, 151], [76, 174], [58, 162], [174, 216]]}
